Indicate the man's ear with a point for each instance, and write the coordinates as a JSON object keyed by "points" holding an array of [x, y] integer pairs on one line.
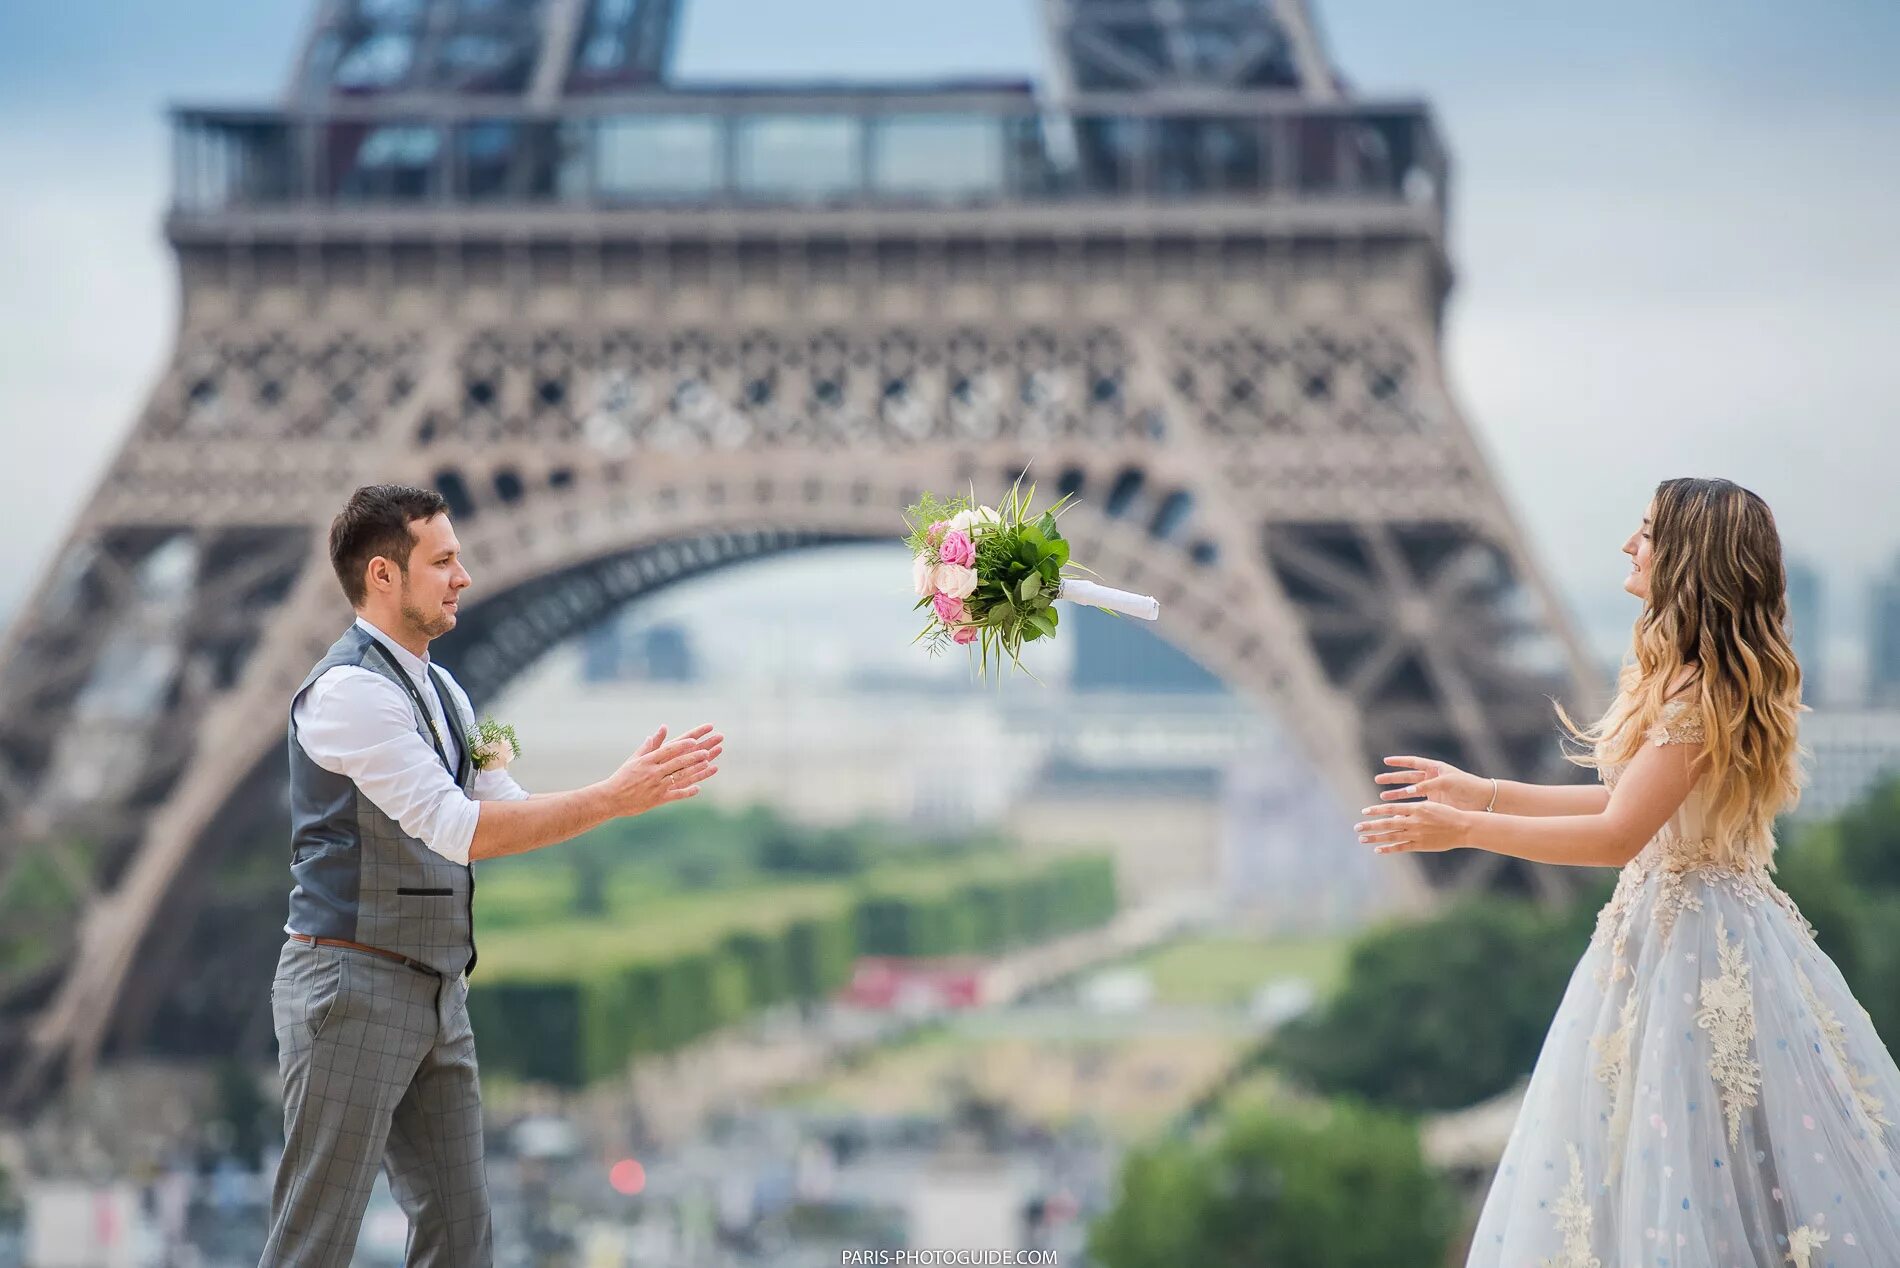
{"points": [[387, 569]]}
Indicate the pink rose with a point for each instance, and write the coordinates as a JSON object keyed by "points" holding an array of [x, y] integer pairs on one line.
{"points": [[949, 609], [923, 576], [936, 531], [964, 634], [956, 548]]}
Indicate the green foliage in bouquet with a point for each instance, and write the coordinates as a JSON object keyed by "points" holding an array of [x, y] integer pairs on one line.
{"points": [[1020, 559], [929, 510]]}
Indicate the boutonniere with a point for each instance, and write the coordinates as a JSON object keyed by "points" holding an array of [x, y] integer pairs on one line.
{"points": [[492, 745]]}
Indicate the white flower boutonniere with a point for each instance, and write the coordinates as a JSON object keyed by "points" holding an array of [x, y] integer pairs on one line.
{"points": [[492, 745]]}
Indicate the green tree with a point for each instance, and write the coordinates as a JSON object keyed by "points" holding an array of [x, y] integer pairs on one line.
{"points": [[800, 851], [242, 1105], [1844, 874], [1869, 836], [1333, 1186], [1439, 1013], [590, 882], [1877, 983], [1811, 869]]}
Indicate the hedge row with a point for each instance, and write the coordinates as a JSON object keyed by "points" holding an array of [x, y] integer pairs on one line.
{"points": [[989, 913], [586, 1021]]}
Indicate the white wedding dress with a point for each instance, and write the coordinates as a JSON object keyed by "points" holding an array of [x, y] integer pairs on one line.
{"points": [[1710, 1095]]}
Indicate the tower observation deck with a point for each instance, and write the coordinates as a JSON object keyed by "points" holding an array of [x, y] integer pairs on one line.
{"points": [[407, 118]]}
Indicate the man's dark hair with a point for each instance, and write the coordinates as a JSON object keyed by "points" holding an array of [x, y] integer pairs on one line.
{"points": [[376, 522]]}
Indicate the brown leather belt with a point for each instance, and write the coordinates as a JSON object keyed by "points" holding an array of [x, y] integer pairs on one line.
{"points": [[418, 965]]}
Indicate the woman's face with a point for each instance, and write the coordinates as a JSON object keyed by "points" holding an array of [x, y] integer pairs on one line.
{"points": [[1638, 549]]}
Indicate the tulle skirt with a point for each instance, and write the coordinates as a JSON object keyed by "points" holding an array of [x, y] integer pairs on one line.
{"points": [[1709, 1095]]}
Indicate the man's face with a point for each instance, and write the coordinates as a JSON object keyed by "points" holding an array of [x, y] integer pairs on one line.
{"points": [[434, 579]]}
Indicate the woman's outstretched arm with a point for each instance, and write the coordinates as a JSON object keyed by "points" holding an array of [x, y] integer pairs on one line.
{"points": [[1444, 783], [1654, 786], [1540, 800]]}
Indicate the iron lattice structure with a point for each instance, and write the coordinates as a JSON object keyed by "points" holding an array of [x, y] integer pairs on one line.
{"points": [[635, 330]]}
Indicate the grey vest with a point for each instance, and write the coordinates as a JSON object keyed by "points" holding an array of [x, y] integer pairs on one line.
{"points": [[357, 875]]}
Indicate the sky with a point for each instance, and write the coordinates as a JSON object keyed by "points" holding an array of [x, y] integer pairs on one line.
{"points": [[1672, 229]]}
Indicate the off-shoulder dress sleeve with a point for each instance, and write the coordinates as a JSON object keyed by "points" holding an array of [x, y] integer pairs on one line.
{"points": [[1680, 723]]}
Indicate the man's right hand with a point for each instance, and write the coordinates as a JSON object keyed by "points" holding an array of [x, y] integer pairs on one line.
{"points": [[664, 771]]}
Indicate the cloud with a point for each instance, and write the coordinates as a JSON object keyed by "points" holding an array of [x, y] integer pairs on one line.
{"points": [[1671, 282], [86, 326]]}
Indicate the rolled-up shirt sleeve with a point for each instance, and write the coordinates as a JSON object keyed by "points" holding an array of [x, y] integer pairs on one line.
{"points": [[358, 724], [496, 785]]}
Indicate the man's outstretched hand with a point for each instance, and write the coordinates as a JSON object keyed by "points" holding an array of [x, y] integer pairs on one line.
{"points": [[663, 770]]}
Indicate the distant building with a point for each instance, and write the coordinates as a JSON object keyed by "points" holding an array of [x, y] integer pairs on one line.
{"points": [[665, 654], [1115, 653], [1200, 794], [1883, 639], [615, 652], [816, 757], [1161, 825], [1850, 751], [1805, 618], [1290, 861]]}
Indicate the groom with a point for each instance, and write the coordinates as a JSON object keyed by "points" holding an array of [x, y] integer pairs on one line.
{"points": [[387, 813]]}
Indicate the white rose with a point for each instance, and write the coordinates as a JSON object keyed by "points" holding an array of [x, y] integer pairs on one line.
{"points": [[494, 755], [923, 576], [965, 520], [955, 580]]}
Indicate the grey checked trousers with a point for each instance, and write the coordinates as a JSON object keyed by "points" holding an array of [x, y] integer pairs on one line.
{"points": [[378, 1063]]}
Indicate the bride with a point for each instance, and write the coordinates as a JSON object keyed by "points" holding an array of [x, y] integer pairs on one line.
{"points": [[1710, 1094]]}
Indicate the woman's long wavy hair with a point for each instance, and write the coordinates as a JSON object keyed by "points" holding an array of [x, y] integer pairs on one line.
{"points": [[1718, 601]]}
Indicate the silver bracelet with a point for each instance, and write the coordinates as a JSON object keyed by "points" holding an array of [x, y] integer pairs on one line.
{"points": [[1494, 797]]}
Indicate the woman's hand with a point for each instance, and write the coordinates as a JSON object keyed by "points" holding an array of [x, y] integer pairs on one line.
{"points": [[1427, 826], [1434, 781]]}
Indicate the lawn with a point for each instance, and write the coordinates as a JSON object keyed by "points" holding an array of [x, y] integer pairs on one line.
{"points": [[681, 922], [528, 935], [1131, 1086], [1229, 969]]}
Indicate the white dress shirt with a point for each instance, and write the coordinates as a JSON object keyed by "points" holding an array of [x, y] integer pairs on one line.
{"points": [[356, 723]]}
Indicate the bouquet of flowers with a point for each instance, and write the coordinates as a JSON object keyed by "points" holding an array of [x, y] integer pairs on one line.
{"points": [[990, 576]]}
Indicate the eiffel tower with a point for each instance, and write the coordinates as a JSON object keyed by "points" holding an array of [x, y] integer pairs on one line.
{"points": [[634, 330]]}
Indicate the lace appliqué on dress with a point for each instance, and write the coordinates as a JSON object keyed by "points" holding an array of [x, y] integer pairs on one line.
{"points": [[1802, 1243], [1678, 861], [1678, 865], [1836, 1036], [1573, 1220], [1613, 1069], [1613, 928], [1679, 723], [1728, 1014]]}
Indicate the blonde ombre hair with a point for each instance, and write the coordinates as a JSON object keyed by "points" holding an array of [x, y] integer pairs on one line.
{"points": [[1718, 601]]}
